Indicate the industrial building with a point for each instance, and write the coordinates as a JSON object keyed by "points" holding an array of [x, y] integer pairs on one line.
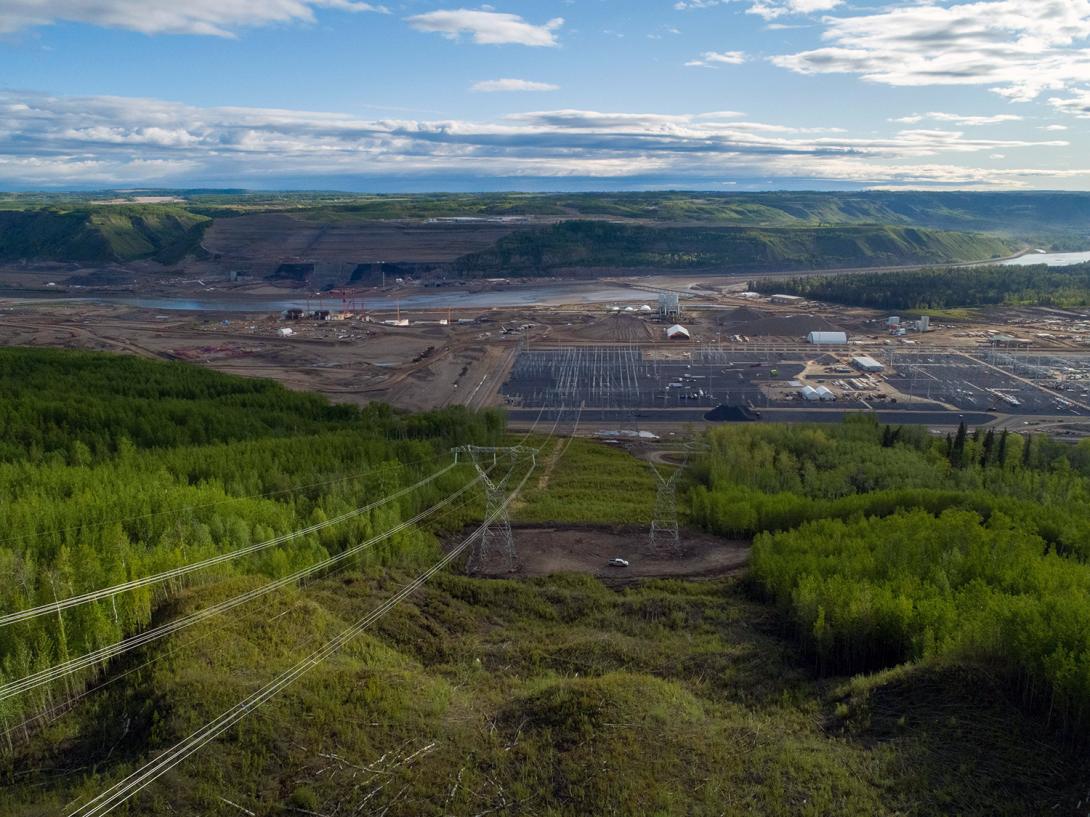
{"points": [[866, 363], [678, 332], [831, 338], [786, 300], [669, 304]]}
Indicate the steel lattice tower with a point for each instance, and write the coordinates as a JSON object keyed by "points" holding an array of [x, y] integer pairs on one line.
{"points": [[496, 541], [664, 528]]}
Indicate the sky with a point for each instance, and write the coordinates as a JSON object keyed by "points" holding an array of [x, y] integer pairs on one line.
{"points": [[428, 95]]}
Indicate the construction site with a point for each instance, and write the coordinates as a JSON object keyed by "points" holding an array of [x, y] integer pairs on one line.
{"points": [[632, 352]]}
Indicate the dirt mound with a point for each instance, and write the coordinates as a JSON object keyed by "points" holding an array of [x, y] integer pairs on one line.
{"points": [[731, 414], [753, 323], [742, 314], [544, 550], [614, 328]]}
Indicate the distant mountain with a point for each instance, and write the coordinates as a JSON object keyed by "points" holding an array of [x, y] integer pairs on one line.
{"points": [[79, 227]]}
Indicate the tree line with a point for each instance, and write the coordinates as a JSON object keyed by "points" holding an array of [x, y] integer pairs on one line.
{"points": [[116, 483], [944, 288], [882, 545]]}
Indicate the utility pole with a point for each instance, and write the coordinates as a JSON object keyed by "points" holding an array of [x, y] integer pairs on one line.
{"points": [[496, 542]]}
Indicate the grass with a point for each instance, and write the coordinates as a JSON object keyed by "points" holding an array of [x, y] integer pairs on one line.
{"points": [[548, 697], [591, 482]]}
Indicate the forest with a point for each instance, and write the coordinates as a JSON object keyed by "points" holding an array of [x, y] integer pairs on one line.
{"points": [[590, 244], [158, 465], [903, 588], [885, 545], [944, 288]]}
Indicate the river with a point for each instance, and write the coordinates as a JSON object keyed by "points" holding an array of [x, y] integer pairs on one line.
{"points": [[1049, 259], [433, 300]]}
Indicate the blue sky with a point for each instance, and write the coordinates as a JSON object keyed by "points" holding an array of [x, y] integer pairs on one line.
{"points": [[545, 94]]}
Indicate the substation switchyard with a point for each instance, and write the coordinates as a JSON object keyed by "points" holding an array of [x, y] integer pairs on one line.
{"points": [[656, 381]]}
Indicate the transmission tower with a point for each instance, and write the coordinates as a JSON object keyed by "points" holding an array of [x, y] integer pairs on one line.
{"points": [[664, 518], [495, 466]]}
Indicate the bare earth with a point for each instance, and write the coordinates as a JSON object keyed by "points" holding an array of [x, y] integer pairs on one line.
{"points": [[544, 550]]}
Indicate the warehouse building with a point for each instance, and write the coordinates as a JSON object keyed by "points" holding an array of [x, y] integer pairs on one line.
{"points": [[786, 300], [866, 363], [827, 337], [677, 332]]}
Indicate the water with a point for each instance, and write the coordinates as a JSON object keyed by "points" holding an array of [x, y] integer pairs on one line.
{"points": [[1049, 259], [437, 300]]}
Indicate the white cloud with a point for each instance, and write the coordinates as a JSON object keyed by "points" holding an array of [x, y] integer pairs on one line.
{"points": [[1019, 48], [487, 27], [712, 59], [958, 119], [1054, 127], [685, 5], [771, 9], [209, 17], [491, 85], [1078, 104], [114, 140]]}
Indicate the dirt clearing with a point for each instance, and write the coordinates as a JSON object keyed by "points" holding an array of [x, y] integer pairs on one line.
{"points": [[547, 549]]}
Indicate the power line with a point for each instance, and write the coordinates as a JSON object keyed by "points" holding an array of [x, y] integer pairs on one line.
{"points": [[46, 676], [138, 780], [107, 592]]}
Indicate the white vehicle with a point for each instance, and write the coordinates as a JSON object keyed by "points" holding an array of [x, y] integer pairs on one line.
{"points": [[618, 562]]}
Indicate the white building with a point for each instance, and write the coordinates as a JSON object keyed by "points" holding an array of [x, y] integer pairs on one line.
{"points": [[809, 393], [866, 363], [285, 331], [787, 300], [678, 332], [646, 309], [827, 337]]}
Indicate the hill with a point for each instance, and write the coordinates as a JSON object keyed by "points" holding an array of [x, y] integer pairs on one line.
{"points": [[588, 244], [552, 696], [101, 234], [549, 697]]}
